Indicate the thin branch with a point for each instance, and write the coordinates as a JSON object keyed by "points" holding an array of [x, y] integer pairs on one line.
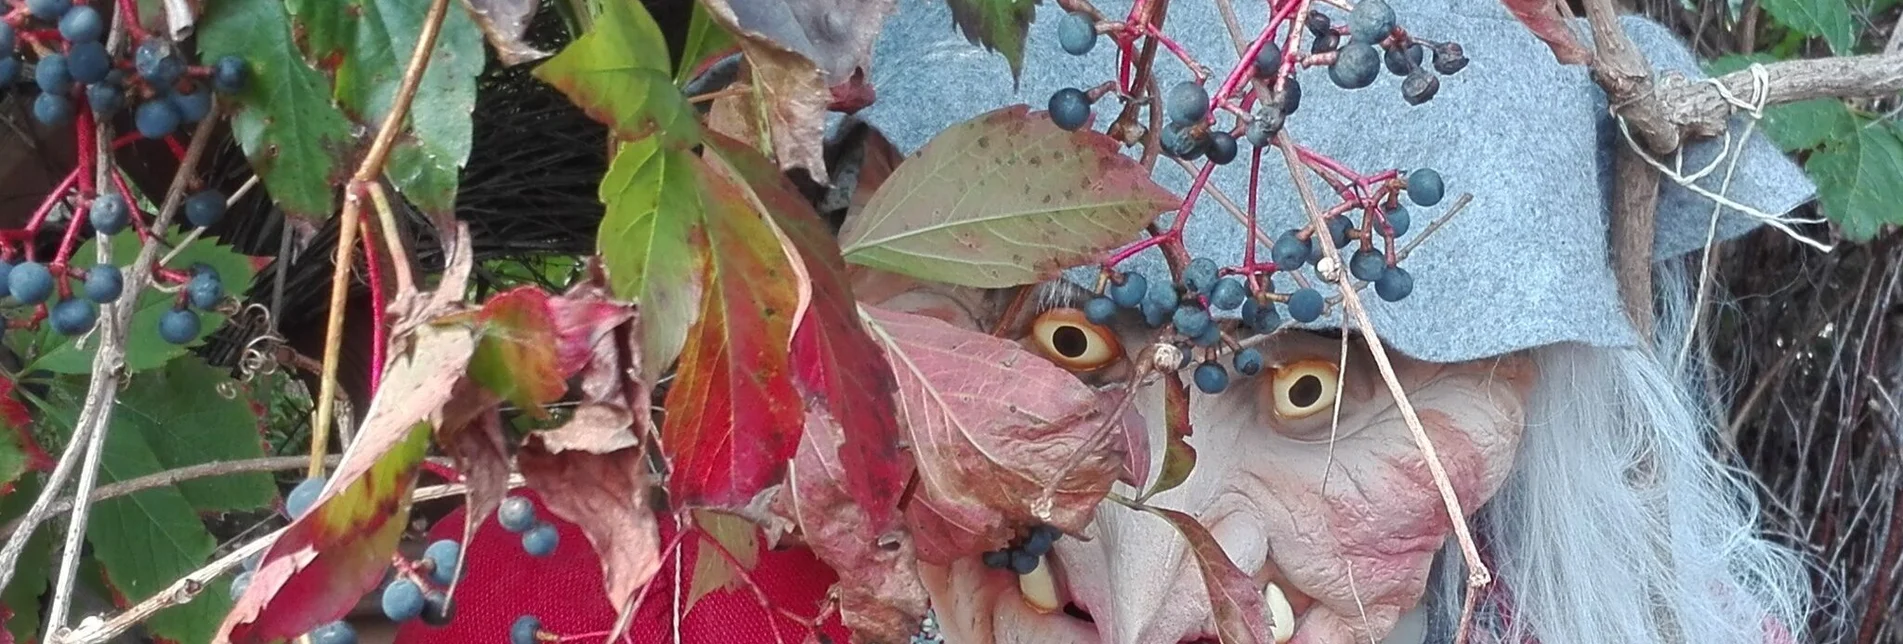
{"points": [[399, 255], [174, 477], [1700, 110]]}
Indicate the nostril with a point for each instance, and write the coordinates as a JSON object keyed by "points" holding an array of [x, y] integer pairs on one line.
{"points": [[1074, 610]]}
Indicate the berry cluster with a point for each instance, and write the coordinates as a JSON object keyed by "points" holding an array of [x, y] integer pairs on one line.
{"points": [[418, 590], [517, 515], [1021, 557], [73, 66]]}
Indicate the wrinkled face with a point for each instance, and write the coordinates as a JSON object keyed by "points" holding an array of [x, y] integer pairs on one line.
{"points": [[1339, 518]]}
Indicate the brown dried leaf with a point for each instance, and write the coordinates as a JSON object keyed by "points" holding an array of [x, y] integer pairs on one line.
{"points": [[880, 597], [482, 456], [791, 86], [880, 158], [1234, 596], [990, 424], [711, 571], [505, 22], [606, 494], [1179, 457], [837, 35], [1544, 19]]}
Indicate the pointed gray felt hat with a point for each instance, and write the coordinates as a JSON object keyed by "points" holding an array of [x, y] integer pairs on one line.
{"points": [[1524, 265]]}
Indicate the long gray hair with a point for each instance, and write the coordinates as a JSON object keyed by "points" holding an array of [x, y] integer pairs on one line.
{"points": [[1621, 522]]}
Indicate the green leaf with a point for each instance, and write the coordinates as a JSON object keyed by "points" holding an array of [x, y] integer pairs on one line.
{"points": [[1003, 199], [295, 137], [1793, 126], [182, 417], [148, 539], [144, 348], [1827, 18], [22, 595], [368, 43], [619, 74], [999, 25], [1860, 180], [704, 37], [646, 244]]}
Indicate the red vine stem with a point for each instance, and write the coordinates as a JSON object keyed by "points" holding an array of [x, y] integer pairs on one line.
{"points": [[131, 10], [379, 326], [53, 199], [132, 209]]}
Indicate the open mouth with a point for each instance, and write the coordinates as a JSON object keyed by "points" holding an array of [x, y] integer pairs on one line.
{"points": [[1046, 590]]}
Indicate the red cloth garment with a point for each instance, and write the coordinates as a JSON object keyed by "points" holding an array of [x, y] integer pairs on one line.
{"points": [[501, 582]]}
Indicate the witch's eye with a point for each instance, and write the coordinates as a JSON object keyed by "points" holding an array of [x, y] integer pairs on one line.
{"points": [[1304, 388], [1075, 343]]}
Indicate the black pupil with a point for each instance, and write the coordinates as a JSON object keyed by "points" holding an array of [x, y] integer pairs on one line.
{"points": [[1306, 391], [1069, 341]]}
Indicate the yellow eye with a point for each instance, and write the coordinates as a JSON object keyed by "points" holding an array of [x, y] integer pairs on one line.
{"points": [[1304, 388], [1074, 343]]}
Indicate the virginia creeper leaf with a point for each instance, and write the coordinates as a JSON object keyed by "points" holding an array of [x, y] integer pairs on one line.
{"points": [[21, 598], [294, 136], [506, 22], [532, 343], [880, 597], [704, 39], [733, 414], [1234, 596], [605, 493], [178, 412], [653, 203], [711, 570], [990, 424], [791, 88], [145, 349], [837, 363], [19, 451], [482, 457], [1001, 200], [837, 35], [1543, 18], [618, 74], [1860, 180], [1179, 457], [1830, 19], [999, 25]]}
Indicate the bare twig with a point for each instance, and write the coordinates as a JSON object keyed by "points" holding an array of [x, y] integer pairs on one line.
{"points": [[174, 477]]}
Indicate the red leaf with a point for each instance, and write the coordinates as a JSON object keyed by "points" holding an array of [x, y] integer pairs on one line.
{"points": [[991, 424], [880, 597], [837, 364], [532, 342], [604, 492], [19, 421], [1234, 596], [733, 415], [1544, 19]]}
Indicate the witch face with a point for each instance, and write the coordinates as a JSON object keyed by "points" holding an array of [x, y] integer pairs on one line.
{"points": [[1306, 474]]}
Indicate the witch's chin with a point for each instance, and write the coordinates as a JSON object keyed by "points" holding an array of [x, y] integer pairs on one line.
{"points": [[977, 605]]}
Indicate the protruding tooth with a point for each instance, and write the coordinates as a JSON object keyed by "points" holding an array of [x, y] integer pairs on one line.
{"points": [[1039, 588], [1280, 613]]}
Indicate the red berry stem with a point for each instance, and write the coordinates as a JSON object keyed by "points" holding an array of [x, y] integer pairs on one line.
{"points": [[130, 9], [1141, 245], [1248, 242], [32, 227], [1245, 65], [70, 242], [446, 472], [1149, 30], [132, 209], [378, 318], [178, 149]]}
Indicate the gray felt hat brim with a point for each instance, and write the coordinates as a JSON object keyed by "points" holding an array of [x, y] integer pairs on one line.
{"points": [[1524, 265]]}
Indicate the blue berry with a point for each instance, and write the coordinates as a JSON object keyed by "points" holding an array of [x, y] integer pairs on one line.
{"points": [[1023, 562], [540, 541], [1130, 293], [252, 562], [1200, 275], [1394, 285], [205, 208], [155, 119], [1248, 361], [88, 62], [1228, 294], [1190, 321], [1180, 141], [9, 69], [1318, 23], [998, 559], [1211, 377], [30, 283], [48, 10], [442, 556], [105, 99], [229, 75], [524, 630], [338, 632], [1402, 61], [1222, 147], [53, 109], [1260, 315], [1356, 66], [1324, 43], [1371, 21], [1076, 33], [1399, 220], [156, 60], [52, 74], [179, 326], [1264, 124], [516, 514], [82, 24], [1268, 60], [109, 214], [192, 106], [205, 290], [1291, 95], [1040, 541], [402, 600], [239, 583], [1290, 250], [104, 283], [1424, 187], [1367, 264], [1305, 305], [437, 611], [301, 497], [6, 274], [1100, 310], [8, 39], [1159, 306], [1338, 227], [73, 317], [1211, 336], [1187, 103], [1070, 108]]}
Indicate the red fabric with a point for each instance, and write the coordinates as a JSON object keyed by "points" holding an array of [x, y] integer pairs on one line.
{"points": [[502, 582]]}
